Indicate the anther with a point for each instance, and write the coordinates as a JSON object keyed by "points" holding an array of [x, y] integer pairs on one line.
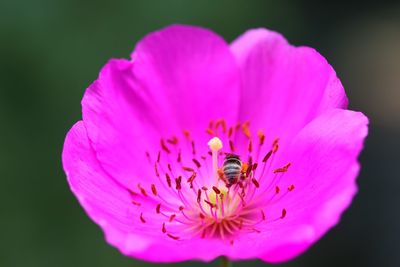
{"points": [[181, 208], [163, 228], [277, 189], [153, 189], [168, 178], [158, 156], [135, 203], [179, 159], [267, 156], [262, 215], [230, 132], [158, 208], [222, 123], [216, 190], [283, 213], [173, 237], [156, 170], [178, 183], [197, 163], [283, 169], [209, 131], [198, 196], [144, 193], [245, 128], [164, 146], [141, 218], [204, 188], [261, 137], [193, 148], [191, 178], [257, 185], [231, 146], [132, 193], [188, 169], [201, 215], [291, 187], [173, 141], [250, 147], [255, 166], [172, 217], [186, 133]]}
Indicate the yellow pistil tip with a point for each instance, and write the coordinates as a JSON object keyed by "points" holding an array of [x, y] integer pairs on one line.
{"points": [[215, 144]]}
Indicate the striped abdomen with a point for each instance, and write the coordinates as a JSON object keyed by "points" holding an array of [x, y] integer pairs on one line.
{"points": [[232, 168]]}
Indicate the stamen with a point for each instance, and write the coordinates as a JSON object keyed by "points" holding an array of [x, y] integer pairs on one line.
{"points": [[230, 131], [141, 218], [153, 189], [158, 208], [283, 169], [283, 213], [261, 137], [250, 147], [263, 215], [191, 179], [246, 131], [136, 203], [178, 183], [164, 146], [144, 193], [173, 141], [156, 170], [186, 133], [168, 179], [267, 156], [197, 163], [231, 146], [257, 185], [210, 132], [188, 169], [277, 189], [216, 190], [193, 148], [172, 217], [198, 196]]}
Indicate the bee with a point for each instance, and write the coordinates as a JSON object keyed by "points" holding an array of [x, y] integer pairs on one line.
{"points": [[232, 169]]}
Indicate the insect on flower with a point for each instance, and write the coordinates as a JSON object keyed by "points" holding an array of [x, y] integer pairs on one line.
{"points": [[194, 148]]}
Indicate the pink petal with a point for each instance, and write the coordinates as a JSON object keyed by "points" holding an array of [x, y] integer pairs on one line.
{"points": [[178, 78], [284, 87], [324, 170]]}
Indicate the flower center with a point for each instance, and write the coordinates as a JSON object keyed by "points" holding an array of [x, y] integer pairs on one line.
{"points": [[195, 195]]}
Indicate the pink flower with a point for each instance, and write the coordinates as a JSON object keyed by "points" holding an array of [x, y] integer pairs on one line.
{"points": [[151, 160]]}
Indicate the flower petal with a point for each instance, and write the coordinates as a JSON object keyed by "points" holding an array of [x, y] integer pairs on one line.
{"points": [[284, 87], [178, 78], [324, 170]]}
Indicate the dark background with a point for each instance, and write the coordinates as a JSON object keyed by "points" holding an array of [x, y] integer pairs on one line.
{"points": [[50, 51]]}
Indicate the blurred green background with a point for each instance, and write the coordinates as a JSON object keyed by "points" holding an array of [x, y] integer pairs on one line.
{"points": [[52, 50]]}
